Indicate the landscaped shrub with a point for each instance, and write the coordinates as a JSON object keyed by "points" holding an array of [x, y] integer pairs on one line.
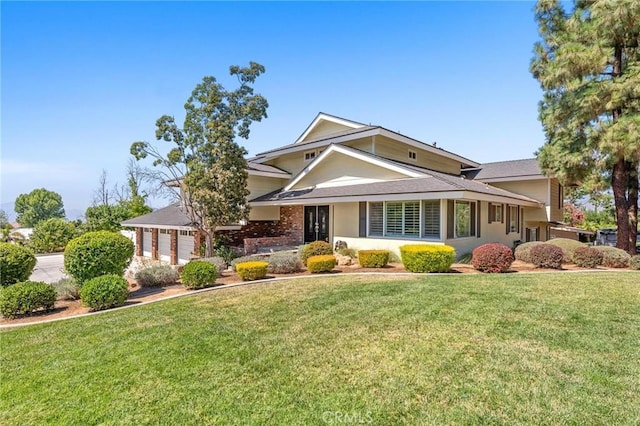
{"points": [[613, 257], [104, 292], [427, 257], [492, 258], [587, 257], [523, 251], [635, 262], [52, 235], [547, 256], [352, 253], [568, 247], [373, 258], [284, 263], [16, 263], [157, 276], [243, 259], [315, 248], [97, 253], [198, 274], [219, 262], [321, 263], [26, 297], [249, 271], [67, 289]]}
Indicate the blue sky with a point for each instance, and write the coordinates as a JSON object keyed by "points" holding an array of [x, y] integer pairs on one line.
{"points": [[82, 81]]}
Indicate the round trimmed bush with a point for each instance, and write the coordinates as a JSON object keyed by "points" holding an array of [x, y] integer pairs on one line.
{"points": [[250, 271], [427, 257], [635, 262], [547, 256], [315, 248], [523, 251], [198, 274], [157, 276], [217, 261], [104, 292], [321, 263], [613, 257], [16, 263], [243, 259], [492, 258], [26, 297], [284, 263], [568, 247], [373, 258], [97, 253], [587, 257]]}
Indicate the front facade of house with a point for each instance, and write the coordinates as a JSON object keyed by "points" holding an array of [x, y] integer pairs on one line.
{"points": [[371, 188]]}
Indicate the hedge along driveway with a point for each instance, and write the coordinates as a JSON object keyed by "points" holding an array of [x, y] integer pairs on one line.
{"points": [[442, 349]]}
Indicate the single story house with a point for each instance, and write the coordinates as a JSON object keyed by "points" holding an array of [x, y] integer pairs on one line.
{"points": [[370, 187]]}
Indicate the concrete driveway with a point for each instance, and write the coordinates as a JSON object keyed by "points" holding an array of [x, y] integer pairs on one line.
{"points": [[48, 268]]}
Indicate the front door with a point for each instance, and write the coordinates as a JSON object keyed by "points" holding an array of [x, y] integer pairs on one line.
{"points": [[316, 223]]}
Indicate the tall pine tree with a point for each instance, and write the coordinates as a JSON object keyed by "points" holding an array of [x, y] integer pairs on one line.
{"points": [[588, 65]]}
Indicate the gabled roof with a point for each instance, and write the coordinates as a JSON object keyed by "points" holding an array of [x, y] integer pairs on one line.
{"points": [[324, 117], [422, 181], [257, 168], [170, 216], [506, 170]]}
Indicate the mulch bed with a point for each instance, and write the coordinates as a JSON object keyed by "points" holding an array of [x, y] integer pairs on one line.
{"points": [[138, 295]]}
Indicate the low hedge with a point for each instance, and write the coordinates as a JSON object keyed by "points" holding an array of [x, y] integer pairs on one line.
{"points": [[250, 271], [523, 251], [373, 258], [492, 258], [427, 257], [26, 297], [587, 257], [547, 256], [104, 292], [613, 257], [157, 276], [321, 263], [198, 274], [243, 259], [568, 247], [284, 263], [315, 248], [635, 262], [16, 263]]}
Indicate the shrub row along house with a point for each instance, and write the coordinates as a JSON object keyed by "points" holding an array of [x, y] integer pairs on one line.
{"points": [[370, 187]]}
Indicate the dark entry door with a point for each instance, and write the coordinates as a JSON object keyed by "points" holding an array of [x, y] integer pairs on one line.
{"points": [[316, 223]]}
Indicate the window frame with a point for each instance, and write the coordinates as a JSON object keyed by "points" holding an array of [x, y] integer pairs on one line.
{"points": [[413, 155], [312, 155], [407, 216]]}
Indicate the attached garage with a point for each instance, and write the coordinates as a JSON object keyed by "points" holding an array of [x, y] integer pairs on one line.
{"points": [[146, 242], [185, 246], [164, 245]]}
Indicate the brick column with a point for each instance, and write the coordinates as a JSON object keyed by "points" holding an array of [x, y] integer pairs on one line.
{"points": [[174, 246], [139, 241], [154, 243]]}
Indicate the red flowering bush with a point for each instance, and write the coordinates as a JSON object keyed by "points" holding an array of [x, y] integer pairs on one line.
{"points": [[546, 256], [492, 258]]}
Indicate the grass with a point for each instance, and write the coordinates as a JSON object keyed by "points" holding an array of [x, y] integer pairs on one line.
{"points": [[473, 349]]}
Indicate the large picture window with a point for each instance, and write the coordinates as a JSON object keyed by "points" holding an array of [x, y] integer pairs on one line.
{"points": [[403, 219], [461, 219]]}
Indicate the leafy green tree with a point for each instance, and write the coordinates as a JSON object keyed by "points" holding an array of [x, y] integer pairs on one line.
{"points": [[105, 217], [5, 226], [38, 205], [588, 64], [52, 235], [206, 168]]}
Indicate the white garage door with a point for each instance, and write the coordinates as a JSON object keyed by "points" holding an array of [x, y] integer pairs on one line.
{"points": [[185, 246], [146, 242], [164, 245]]}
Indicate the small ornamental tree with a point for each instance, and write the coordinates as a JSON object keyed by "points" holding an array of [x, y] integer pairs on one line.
{"points": [[97, 253], [16, 263], [206, 168]]}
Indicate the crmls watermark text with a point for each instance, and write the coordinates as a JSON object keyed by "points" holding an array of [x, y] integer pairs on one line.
{"points": [[339, 417]]}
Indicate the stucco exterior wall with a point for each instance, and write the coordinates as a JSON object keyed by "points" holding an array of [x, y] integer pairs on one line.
{"points": [[345, 220]]}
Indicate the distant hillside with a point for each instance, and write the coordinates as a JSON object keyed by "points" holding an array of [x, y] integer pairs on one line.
{"points": [[72, 214]]}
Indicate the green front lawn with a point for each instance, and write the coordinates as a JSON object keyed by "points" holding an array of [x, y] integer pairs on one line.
{"points": [[516, 348]]}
